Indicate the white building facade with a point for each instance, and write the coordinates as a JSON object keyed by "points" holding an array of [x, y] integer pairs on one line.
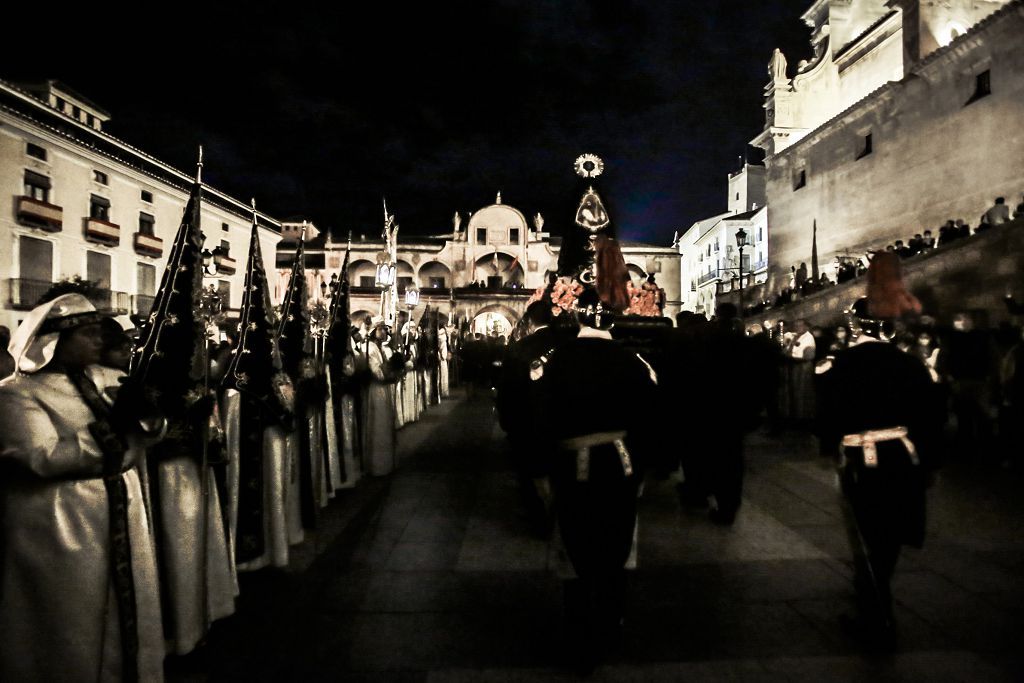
{"points": [[908, 116], [75, 201], [709, 254]]}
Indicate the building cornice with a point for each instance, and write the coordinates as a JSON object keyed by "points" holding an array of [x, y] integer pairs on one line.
{"points": [[888, 90], [34, 112]]}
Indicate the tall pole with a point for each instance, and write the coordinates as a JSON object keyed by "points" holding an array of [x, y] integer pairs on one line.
{"points": [[741, 280]]}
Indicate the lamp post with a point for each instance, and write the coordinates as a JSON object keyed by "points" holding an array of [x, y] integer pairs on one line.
{"points": [[412, 299], [741, 241]]}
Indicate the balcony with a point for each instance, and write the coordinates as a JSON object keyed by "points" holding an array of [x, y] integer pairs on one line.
{"points": [[39, 214], [148, 245], [25, 294], [107, 300], [760, 265], [708, 277], [225, 265], [142, 303], [102, 232]]}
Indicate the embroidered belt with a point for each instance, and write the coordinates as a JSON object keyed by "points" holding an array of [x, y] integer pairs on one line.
{"points": [[866, 442], [582, 445]]}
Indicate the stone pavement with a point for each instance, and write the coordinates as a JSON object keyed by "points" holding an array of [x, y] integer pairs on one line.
{"points": [[432, 574]]}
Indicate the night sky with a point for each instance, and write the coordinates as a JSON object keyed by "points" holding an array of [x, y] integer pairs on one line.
{"points": [[436, 106]]}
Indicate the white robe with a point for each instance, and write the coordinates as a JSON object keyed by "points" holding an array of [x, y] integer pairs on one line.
{"points": [[379, 418], [443, 356], [278, 455], [58, 615]]}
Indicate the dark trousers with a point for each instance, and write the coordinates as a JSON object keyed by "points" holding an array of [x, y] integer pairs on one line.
{"points": [[725, 474], [596, 518], [884, 509]]}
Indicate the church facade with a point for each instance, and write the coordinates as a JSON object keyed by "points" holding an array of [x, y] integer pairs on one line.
{"points": [[907, 116], [483, 271]]}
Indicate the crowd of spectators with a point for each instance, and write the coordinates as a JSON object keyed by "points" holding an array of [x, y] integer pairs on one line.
{"points": [[979, 369], [848, 268]]}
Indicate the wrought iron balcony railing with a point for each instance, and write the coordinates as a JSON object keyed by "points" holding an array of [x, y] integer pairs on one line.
{"points": [[23, 294]]}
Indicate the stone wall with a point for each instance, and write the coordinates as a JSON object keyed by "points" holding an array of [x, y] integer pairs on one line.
{"points": [[939, 151], [973, 274]]}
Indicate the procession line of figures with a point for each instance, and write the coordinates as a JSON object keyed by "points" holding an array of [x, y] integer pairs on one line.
{"points": [[106, 567]]}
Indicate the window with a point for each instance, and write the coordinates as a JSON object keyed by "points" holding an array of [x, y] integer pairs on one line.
{"points": [[224, 290], [35, 151], [367, 281], [865, 146], [76, 112], [99, 207], [717, 245], [513, 235], [147, 196], [760, 234], [37, 186], [403, 282], [737, 196], [35, 260], [225, 227], [146, 222], [61, 104], [145, 279], [799, 179], [481, 235], [225, 248], [982, 86], [97, 269], [90, 120], [100, 177], [435, 282]]}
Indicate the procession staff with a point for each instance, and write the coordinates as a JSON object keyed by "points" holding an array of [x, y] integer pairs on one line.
{"points": [[79, 595], [879, 411]]}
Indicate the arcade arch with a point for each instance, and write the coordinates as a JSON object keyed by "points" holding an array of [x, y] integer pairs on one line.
{"points": [[359, 270], [434, 274], [500, 270], [494, 320], [636, 274]]}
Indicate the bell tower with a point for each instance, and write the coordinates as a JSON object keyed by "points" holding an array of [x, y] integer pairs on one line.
{"points": [[931, 24]]}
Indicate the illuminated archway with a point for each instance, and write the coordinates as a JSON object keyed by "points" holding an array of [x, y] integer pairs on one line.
{"points": [[434, 274], [636, 274], [499, 267], [359, 271], [494, 320]]}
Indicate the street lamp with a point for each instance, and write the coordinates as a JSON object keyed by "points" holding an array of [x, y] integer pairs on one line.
{"points": [[385, 276], [741, 241], [412, 299]]}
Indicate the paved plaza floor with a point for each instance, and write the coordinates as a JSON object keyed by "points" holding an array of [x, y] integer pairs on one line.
{"points": [[433, 574]]}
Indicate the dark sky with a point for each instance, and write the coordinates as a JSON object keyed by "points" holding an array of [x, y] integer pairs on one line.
{"points": [[436, 106]]}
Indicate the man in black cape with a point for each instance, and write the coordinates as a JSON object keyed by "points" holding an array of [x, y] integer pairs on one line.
{"points": [[879, 411]]}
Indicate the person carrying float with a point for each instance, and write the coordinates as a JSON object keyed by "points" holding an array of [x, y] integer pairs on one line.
{"points": [[880, 413], [598, 445]]}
